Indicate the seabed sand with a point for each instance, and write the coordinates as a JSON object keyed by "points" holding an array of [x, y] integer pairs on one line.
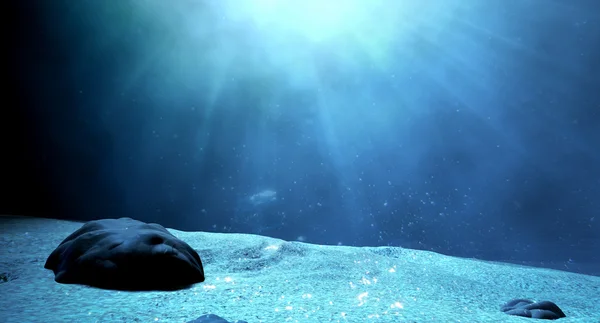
{"points": [[261, 279]]}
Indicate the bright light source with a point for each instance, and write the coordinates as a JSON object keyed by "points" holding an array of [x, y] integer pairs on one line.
{"points": [[315, 19]]}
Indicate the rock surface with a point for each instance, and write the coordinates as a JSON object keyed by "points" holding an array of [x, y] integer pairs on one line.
{"points": [[125, 254]]}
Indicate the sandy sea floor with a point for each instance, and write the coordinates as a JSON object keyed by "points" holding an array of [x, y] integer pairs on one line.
{"points": [[261, 279]]}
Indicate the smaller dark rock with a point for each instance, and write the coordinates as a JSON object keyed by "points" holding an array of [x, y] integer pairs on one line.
{"points": [[538, 310], [212, 318]]}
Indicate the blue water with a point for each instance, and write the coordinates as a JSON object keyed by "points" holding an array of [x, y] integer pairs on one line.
{"points": [[470, 128]]}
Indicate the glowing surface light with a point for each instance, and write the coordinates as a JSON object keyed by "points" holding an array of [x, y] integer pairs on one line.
{"points": [[293, 31], [327, 47], [315, 19]]}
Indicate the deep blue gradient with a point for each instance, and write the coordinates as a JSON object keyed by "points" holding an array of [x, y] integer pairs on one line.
{"points": [[470, 128]]}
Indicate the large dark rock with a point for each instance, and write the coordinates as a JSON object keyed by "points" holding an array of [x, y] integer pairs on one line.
{"points": [[538, 310], [125, 254]]}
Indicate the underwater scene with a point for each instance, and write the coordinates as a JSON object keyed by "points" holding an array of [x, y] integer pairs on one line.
{"points": [[220, 161]]}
